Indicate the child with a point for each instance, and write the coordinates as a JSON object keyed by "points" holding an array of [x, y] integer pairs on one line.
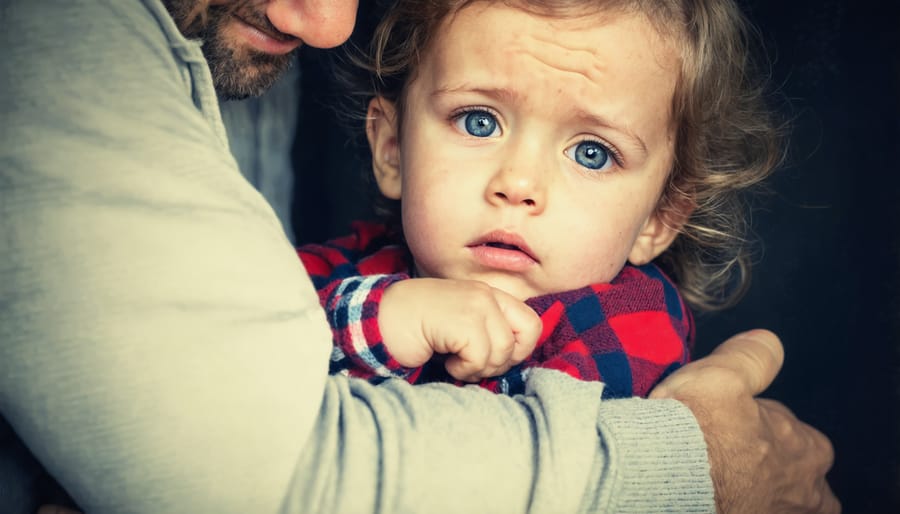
{"points": [[548, 152]]}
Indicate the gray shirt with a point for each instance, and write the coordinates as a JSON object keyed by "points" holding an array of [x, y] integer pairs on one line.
{"points": [[261, 134], [163, 350]]}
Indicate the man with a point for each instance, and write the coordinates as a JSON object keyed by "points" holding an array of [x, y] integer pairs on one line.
{"points": [[163, 350]]}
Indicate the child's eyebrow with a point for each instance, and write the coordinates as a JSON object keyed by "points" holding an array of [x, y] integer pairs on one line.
{"points": [[592, 119], [498, 93]]}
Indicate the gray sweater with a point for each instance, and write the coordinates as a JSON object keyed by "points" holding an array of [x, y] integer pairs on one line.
{"points": [[162, 349]]}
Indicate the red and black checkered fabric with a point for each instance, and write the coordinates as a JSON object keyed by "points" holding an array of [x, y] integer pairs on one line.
{"points": [[629, 333]]}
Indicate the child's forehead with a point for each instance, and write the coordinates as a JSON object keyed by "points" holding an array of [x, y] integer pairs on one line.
{"points": [[502, 41], [609, 68], [565, 20], [664, 16]]}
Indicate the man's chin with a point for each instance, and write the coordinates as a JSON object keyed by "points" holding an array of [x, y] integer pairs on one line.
{"points": [[238, 70], [238, 77], [238, 86]]}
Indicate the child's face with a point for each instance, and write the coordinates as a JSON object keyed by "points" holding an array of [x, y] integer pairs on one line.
{"points": [[533, 152]]}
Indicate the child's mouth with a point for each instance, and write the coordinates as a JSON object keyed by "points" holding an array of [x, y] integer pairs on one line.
{"points": [[503, 250], [503, 246]]}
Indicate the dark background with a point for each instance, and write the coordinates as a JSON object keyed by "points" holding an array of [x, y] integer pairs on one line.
{"points": [[828, 269]]}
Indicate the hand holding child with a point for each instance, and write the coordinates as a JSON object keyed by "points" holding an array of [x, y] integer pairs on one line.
{"points": [[485, 330], [763, 458]]}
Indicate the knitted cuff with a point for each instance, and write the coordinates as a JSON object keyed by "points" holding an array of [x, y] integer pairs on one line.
{"points": [[660, 454]]}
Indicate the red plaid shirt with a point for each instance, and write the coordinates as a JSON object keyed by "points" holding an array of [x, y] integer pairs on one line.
{"points": [[629, 333]]}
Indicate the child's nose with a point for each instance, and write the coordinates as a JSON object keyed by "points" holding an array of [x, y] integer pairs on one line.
{"points": [[520, 185]]}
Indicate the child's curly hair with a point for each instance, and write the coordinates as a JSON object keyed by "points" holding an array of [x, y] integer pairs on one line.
{"points": [[727, 140]]}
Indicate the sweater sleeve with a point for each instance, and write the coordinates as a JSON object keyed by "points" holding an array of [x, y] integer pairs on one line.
{"points": [[163, 349], [447, 449]]}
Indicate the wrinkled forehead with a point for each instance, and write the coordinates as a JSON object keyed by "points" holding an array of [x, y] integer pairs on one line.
{"points": [[561, 30], [667, 17], [611, 66]]}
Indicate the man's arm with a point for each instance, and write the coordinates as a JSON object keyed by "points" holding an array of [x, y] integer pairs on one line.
{"points": [[154, 317], [763, 458]]}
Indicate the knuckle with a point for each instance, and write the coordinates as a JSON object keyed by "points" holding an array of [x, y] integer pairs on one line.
{"points": [[783, 426], [480, 289], [505, 345], [764, 450], [478, 296], [719, 380]]}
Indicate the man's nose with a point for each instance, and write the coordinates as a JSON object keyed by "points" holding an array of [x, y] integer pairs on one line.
{"points": [[319, 23]]}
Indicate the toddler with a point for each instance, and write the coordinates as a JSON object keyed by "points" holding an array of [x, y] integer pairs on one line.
{"points": [[555, 168]]}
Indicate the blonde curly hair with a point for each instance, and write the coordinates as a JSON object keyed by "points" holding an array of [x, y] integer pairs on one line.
{"points": [[727, 140]]}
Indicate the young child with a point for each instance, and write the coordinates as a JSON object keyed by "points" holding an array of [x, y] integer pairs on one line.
{"points": [[552, 153]]}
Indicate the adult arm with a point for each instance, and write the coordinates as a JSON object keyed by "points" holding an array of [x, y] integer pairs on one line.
{"points": [[164, 351], [763, 458]]}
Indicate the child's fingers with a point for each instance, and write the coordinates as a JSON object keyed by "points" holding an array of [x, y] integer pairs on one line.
{"points": [[481, 345], [502, 334], [502, 341], [461, 367], [524, 323], [492, 347]]}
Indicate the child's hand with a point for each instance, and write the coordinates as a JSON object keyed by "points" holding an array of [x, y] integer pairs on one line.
{"points": [[486, 331]]}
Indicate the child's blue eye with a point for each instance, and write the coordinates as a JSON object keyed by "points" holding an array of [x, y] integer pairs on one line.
{"points": [[478, 123], [590, 154]]}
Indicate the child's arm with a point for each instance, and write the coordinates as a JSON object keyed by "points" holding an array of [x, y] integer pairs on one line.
{"points": [[350, 279], [484, 330], [386, 326]]}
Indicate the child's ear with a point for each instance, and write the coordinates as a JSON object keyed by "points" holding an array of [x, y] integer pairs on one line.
{"points": [[659, 231], [381, 129]]}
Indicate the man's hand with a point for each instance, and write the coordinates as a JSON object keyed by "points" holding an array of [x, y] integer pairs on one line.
{"points": [[762, 458], [484, 330]]}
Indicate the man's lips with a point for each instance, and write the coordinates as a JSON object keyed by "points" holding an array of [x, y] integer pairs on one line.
{"points": [[265, 40]]}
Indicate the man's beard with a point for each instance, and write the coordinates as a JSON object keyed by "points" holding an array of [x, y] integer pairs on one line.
{"points": [[237, 72]]}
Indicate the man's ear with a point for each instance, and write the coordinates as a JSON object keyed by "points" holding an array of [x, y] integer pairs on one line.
{"points": [[659, 231], [381, 130]]}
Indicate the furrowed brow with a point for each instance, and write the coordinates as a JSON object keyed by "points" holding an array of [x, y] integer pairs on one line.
{"points": [[591, 119], [500, 94]]}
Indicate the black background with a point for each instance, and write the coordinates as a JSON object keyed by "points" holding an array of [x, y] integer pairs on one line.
{"points": [[828, 270]]}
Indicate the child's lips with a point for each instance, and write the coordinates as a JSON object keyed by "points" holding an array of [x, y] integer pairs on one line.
{"points": [[503, 250]]}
